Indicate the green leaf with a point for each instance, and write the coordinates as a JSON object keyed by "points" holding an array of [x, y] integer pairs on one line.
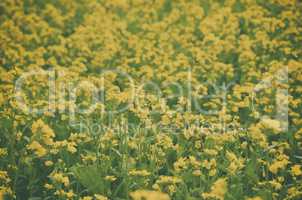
{"points": [[251, 170], [90, 177]]}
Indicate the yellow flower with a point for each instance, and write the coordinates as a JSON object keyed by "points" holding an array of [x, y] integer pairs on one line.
{"points": [[39, 125], [139, 172], [48, 186], [5, 191], [60, 178], [180, 164], [100, 197], [209, 164], [87, 158], [275, 184], [69, 194], [148, 195], [161, 62], [294, 192], [197, 145], [3, 152], [86, 198], [254, 198], [39, 150], [271, 124], [48, 163], [218, 190], [257, 135], [71, 147], [196, 173], [171, 189], [4, 176], [232, 168], [47, 134], [235, 163], [212, 172], [211, 152], [168, 180], [278, 165], [296, 170], [110, 178]]}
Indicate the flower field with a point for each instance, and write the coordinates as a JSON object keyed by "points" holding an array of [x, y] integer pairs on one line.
{"points": [[150, 100]]}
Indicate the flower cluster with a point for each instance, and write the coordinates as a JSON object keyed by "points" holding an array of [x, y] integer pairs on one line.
{"points": [[154, 100]]}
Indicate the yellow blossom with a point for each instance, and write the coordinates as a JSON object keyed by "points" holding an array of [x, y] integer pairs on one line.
{"points": [[39, 150], [218, 190], [148, 195], [296, 170]]}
